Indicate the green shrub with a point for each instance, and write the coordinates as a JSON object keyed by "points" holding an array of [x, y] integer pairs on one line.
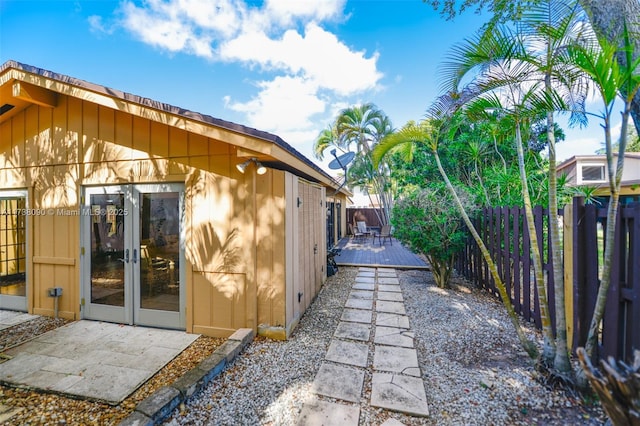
{"points": [[427, 221]]}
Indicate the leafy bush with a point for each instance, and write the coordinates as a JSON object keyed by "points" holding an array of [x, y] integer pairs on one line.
{"points": [[427, 221]]}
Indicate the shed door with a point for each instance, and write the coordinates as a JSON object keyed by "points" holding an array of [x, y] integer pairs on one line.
{"points": [[133, 255], [311, 244]]}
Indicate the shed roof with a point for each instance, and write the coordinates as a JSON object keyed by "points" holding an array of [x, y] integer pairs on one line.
{"points": [[12, 71]]}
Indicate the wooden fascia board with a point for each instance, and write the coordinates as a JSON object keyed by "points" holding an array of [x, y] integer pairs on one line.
{"points": [[34, 94], [632, 189], [292, 160], [247, 142]]}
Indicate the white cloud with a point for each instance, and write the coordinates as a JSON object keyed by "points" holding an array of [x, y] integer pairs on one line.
{"points": [[317, 55], [163, 27], [301, 68], [97, 26], [285, 11], [282, 105]]}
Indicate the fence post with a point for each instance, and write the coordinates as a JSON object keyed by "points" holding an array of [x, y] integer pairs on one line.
{"points": [[506, 252], [581, 326], [632, 340], [613, 319], [517, 260], [568, 230]]}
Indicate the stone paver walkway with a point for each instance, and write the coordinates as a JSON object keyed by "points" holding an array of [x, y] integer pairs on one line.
{"points": [[374, 333]]}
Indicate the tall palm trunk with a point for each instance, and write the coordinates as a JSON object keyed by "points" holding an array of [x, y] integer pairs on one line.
{"points": [[528, 345], [561, 361], [549, 349]]}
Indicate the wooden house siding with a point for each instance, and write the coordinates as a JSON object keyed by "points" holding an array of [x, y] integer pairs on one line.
{"points": [[247, 244]]}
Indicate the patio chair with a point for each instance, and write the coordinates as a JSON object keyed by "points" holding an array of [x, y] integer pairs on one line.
{"points": [[385, 233], [362, 227], [355, 232]]}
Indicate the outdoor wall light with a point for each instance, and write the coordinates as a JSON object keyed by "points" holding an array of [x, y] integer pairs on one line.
{"points": [[260, 169]]}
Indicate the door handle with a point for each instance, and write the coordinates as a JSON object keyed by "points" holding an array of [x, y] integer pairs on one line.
{"points": [[126, 257], [134, 259]]}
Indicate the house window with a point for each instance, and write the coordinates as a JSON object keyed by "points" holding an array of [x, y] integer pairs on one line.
{"points": [[592, 172]]}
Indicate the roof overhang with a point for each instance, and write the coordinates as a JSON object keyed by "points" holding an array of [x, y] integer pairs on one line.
{"points": [[23, 85]]}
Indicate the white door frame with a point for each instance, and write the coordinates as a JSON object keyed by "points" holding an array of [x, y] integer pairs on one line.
{"points": [[131, 312], [19, 303]]}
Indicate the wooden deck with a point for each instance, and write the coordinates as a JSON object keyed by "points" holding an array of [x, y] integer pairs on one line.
{"points": [[364, 252]]}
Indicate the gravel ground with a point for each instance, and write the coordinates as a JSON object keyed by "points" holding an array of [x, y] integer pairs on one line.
{"points": [[473, 369], [23, 332], [42, 408]]}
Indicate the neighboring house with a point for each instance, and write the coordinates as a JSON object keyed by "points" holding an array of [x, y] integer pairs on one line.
{"points": [[138, 212], [361, 198], [591, 170]]}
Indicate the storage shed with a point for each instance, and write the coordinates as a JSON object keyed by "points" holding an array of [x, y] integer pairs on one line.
{"points": [[119, 208]]}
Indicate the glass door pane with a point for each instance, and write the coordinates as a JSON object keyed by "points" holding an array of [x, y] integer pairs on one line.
{"points": [[160, 251], [13, 251], [108, 251]]}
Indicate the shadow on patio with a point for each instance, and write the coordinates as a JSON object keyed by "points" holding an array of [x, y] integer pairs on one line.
{"points": [[366, 252]]}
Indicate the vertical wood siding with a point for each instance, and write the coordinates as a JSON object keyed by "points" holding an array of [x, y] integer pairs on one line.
{"points": [[54, 152]]}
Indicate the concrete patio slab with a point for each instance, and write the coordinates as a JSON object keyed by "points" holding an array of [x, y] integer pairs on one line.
{"points": [[365, 280], [399, 393], [349, 353], [359, 303], [364, 286], [11, 318], [353, 331], [387, 274], [356, 315], [366, 269], [361, 294], [396, 360], [339, 382], [321, 413], [392, 320], [393, 336], [393, 288], [388, 295], [370, 274], [386, 269], [388, 280], [93, 360], [391, 307]]}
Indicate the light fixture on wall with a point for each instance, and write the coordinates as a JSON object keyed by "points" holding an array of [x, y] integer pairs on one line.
{"points": [[260, 169]]}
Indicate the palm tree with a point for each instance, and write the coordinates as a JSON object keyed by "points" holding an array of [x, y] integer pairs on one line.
{"points": [[554, 25], [536, 52], [430, 133], [328, 138], [600, 60], [362, 126], [502, 84]]}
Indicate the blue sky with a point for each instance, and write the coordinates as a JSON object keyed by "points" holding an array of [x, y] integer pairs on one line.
{"points": [[284, 66]]}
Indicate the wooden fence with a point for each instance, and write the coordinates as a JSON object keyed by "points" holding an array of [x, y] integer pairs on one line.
{"points": [[504, 231], [369, 214]]}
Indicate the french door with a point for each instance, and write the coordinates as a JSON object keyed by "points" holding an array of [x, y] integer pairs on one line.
{"points": [[134, 254], [13, 250]]}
